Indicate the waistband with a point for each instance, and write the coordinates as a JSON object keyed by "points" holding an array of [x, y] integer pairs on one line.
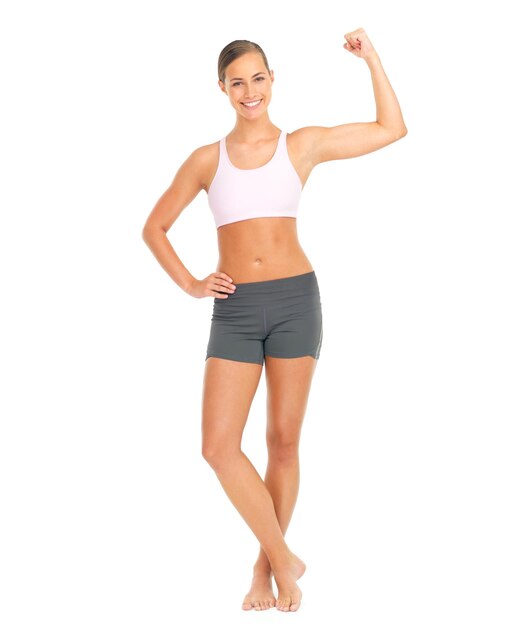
{"points": [[277, 284]]}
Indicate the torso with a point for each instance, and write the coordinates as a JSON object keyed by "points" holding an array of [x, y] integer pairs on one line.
{"points": [[262, 248]]}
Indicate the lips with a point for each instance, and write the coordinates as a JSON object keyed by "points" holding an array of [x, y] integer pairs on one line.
{"points": [[249, 105]]}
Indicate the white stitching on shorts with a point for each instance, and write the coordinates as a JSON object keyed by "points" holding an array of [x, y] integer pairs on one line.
{"points": [[320, 339]]}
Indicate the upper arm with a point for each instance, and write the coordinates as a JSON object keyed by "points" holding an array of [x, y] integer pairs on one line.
{"points": [[185, 186], [347, 140]]}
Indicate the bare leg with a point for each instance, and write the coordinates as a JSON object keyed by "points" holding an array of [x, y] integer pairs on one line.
{"points": [[229, 387], [288, 385]]}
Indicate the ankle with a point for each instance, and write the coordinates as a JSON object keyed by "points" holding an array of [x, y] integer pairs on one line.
{"points": [[282, 560], [262, 568]]}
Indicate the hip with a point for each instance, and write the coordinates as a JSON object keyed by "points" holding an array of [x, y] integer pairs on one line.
{"points": [[289, 293]]}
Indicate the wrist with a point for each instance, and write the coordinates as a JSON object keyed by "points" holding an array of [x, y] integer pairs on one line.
{"points": [[373, 59], [188, 284]]}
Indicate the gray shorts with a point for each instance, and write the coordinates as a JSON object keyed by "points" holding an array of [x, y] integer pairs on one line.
{"points": [[280, 317]]}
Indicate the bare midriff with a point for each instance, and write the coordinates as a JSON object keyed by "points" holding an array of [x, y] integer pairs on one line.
{"points": [[262, 248]]}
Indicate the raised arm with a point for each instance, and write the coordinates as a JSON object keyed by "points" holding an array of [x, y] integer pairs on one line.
{"points": [[354, 139]]}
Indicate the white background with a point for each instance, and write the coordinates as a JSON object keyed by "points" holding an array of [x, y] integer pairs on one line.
{"points": [[410, 509]]}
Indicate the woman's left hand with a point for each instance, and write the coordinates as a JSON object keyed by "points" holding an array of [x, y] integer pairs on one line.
{"points": [[357, 43]]}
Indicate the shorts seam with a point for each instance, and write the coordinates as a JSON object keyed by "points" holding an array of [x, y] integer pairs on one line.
{"points": [[292, 356], [230, 357]]}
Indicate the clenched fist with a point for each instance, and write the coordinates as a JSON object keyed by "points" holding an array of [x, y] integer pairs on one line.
{"points": [[357, 43]]}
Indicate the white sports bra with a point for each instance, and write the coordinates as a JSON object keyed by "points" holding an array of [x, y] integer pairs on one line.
{"points": [[272, 190]]}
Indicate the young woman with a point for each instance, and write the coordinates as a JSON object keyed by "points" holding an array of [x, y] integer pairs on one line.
{"points": [[267, 307]]}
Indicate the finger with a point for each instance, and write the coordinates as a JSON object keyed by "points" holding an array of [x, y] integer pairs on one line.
{"points": [[228, 286], [223, 275], [224, 286], [217, 294]]}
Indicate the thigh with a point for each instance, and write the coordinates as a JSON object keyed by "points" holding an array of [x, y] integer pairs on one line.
{"points": [[288, 383], [237, 329], [295, 321], [228, 391]]}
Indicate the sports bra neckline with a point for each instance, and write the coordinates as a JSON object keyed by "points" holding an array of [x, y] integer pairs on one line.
{"points": [[251, 169]]}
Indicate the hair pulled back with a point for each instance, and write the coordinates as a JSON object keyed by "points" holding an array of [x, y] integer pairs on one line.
{"points": [[234, 50]]}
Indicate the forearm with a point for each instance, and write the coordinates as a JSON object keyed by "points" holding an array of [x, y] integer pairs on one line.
{"points": [[388, 111], [158, 242]]}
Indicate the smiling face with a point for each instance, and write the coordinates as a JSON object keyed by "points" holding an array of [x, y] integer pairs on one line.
{"points": [[247, 81]]}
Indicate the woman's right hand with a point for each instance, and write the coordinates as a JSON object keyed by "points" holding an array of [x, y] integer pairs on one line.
{"points": [[216, 284]]}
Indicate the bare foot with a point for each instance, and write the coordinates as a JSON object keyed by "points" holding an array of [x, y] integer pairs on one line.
{"points": [[285, 576], [260, 597]]}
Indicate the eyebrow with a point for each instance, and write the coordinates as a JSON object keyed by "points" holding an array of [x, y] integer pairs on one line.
{"points": [[231, 79]]}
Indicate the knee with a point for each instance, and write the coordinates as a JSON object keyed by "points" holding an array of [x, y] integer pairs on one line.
{"points": [[216, 454], [210, 453], [283, 447]]}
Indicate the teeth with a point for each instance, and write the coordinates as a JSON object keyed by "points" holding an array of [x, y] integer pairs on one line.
{"points": [[251, 104]]}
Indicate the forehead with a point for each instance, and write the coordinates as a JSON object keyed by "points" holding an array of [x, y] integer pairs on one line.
{"points": [[245, 66]]}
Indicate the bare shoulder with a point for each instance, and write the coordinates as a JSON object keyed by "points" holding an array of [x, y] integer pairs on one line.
{"points": [[190, 178], [301, 142], [202, 162]]}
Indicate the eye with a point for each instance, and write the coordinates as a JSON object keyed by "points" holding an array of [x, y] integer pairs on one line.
{"points": [[238, 83]]}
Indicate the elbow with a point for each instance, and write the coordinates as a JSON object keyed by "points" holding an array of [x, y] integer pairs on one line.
{"points": [[399, 133], [145, 234], [149, 232], [396, 133]]}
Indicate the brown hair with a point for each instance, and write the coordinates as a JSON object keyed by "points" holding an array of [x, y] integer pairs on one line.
{"points": [[234, 50]]}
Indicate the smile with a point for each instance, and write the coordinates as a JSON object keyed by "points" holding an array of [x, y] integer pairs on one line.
{"points": [[252, 105]]}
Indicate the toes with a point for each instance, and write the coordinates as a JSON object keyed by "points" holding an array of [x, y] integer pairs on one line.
{"points": [[294, 603], [290, 604], [258, 605]]}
